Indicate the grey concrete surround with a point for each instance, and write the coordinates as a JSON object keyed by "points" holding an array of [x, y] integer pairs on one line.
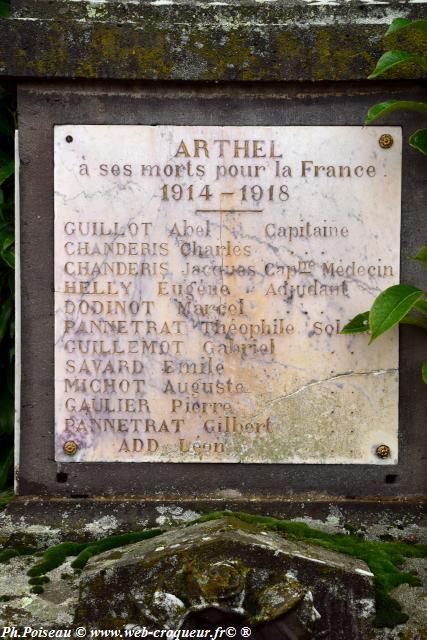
{"points": [[43, 105]]}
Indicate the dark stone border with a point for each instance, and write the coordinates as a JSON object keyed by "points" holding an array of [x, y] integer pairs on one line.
{"points": [[200, 41], [42, 106]]}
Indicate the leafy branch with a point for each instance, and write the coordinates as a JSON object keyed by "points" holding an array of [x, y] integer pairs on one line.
{"points": [[401, 303], [390, 59], [7, 285]]}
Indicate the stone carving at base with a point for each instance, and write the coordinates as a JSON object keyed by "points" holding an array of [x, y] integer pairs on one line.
{"points": [[227, 570]]}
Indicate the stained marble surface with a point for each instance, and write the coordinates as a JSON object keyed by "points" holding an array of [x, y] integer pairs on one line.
{"points": [[202, 275]]}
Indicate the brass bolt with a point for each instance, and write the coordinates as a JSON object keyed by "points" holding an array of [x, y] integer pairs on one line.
{"points": [[386, 141], [70, 447], [383, 451]]}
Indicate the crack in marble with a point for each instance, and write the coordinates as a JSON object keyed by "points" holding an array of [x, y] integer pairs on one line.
{"points": [[345, 374]]}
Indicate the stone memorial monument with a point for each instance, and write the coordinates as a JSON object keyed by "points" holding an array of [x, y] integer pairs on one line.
{"points": [[201, 211]]}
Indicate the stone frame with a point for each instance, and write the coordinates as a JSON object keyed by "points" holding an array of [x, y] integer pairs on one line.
{"points": [[43, 105]]}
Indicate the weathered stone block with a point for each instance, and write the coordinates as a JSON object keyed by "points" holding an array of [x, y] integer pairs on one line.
{"points": [[233, 567], [198, 41]]}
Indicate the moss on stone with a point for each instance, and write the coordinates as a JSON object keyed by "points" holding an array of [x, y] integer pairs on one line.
{"points": [[38, 580], [5, 498], [112, 542], [37, 589], [55, 556], [382, 558], [66, 576], [10, 552], [353, 529], [248, 46], [7, 554]]}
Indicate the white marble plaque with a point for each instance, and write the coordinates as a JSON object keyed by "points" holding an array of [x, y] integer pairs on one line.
{"points": [[202, 275]]}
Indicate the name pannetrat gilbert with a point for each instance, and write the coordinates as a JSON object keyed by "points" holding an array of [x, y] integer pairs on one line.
{"points": [[220, 255]]}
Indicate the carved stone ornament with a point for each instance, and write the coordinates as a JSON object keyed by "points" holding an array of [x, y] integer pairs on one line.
{"points": [[226, 570]]}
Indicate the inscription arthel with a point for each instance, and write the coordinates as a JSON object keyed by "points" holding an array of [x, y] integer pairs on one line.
{"points": [[202, 276]]}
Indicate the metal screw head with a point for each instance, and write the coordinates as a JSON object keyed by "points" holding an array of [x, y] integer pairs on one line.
{"points": [[70, 447], [383, 451], [386, 141]]}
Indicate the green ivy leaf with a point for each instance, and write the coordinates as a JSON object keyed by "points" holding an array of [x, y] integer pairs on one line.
{"points": [[390, 59], [421, 306], [7, 125], [4, 8], [5, 157], [5, 314], [7, 240], [7, 168], [7, 128], [7, 211], [415, 321], [11, 283], [358, 324], [418, 140], [10, 377], [402, 23], [6, 467], [3, 207], [381, 108], [9, 258], [391, 306], [424, 370], [6, 411], [421, 255]]}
